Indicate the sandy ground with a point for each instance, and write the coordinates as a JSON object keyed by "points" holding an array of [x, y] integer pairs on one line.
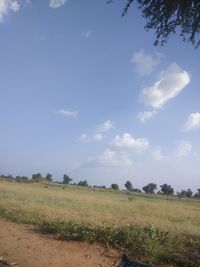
{"points": [[25, 245]]}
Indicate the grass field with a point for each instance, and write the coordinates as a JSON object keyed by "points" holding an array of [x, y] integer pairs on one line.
{"points": [[39, 203]]}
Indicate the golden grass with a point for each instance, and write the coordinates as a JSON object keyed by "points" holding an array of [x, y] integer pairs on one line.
{"points": [[102, 206]]}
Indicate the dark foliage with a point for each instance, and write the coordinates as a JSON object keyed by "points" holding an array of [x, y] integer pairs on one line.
{"points": [[168, 17]]}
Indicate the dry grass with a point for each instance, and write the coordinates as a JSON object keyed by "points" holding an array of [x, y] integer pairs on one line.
{"points": [[102, 206]]}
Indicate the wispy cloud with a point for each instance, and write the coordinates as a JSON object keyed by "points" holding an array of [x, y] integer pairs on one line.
{"points": [[56, 3], [67, 113], [86, 34], [98, 134], [157, 154], [105, 127], [193, 122], [171, 83], [145, 63], [146, 115], [184, 149], [85, 138], [6, 6]]}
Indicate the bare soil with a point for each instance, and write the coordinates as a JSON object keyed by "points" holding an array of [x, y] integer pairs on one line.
{"points": [[25, 245]]}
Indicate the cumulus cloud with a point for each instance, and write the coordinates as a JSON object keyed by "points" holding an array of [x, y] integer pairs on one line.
{"points": [[193, 122], [115, 158], [146, 115], [145, 63], [184, 149], [67, 113], [127, 141], [105, 127], [171, 82], [6, 6], [56, 3]]}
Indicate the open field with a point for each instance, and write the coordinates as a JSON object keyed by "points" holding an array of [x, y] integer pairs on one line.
{"points": [[37, 203]]}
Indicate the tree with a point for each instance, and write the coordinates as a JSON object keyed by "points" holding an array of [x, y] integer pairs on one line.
{"points": [[181, 194], [128, 186], [83, 183], [167, 17], [150, 188], [21, 178], [115, 186], [66, 179], [167, 189], [189, 193], [49, 177], [36, 177], [197, 195]]}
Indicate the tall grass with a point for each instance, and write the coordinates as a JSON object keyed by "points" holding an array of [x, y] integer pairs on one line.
{"points": [[152, 228]]}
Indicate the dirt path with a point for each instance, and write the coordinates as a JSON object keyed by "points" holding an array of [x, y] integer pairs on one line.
{"points": [[26, 246]]}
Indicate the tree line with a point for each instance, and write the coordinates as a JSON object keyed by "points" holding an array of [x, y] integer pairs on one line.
{"points": [[150, 188]]}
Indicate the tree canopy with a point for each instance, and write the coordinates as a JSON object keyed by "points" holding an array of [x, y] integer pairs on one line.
{"points": [[167, 189], [128, 186], [115, 186], [49, 177], [150, 188], [66, 179], [167, 17]]}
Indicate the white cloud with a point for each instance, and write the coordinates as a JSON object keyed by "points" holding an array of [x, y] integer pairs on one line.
{"points": [[145, 63], [172, 81], [98, 137], [6, 6], [157, 154], [67, 113], [86, 34], [193, 122], [146, 115], [105, 127], [84, 138], [98, 134], [127, 141], [116, 158], [56, 3], [184, 149]]}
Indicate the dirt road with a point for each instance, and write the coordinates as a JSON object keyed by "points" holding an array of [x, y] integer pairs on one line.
{"points": [[29, 248]]}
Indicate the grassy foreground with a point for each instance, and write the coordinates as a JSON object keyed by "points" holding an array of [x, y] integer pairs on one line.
{"points": [[153, 229]]}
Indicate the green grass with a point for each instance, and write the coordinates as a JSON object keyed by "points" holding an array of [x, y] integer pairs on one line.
{"points": [[151, 228]]}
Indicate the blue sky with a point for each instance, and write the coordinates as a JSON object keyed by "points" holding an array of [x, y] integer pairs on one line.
{"points": [[84, 92]]}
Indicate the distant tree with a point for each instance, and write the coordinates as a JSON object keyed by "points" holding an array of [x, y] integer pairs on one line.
{"points": [[21, 178], [189, 193], [136, 190], [115, 186], [197, 195], [36, 177], [66, 179], [150, 188], [167, 17], [167, 189], [83, 183], [181, 194], [128, 186], [159, 193], [99, 186], [49, 177], [185, 193]]}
